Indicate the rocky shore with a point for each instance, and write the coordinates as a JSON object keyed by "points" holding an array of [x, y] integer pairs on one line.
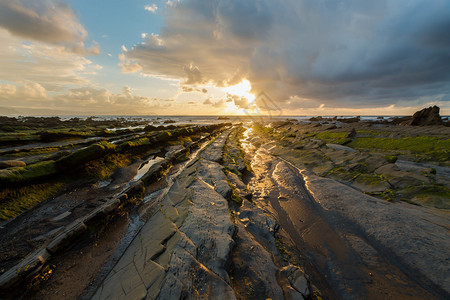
{"points": [[324, 209]]}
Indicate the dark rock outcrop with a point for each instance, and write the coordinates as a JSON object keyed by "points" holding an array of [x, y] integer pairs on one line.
{"points": [[350, 120], [150, 128], [400, 120], [426, 116]]}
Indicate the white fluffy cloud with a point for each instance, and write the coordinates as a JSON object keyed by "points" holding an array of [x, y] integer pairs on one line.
{"points": [[151, 8], [340, 54]]}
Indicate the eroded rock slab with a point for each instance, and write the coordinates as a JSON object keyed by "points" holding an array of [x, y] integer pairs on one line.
{"points": [[417, 237], [254, 268], [197, 265], [215, 151], [183, 250]]}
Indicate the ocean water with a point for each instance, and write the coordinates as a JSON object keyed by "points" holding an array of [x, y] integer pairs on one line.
{"points": [[187, 120], [206, 120]]}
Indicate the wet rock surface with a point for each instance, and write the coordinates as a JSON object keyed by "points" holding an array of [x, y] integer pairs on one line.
{"points": [[195, 246], [188, 241], [84, 208], [235, 221], [420, 150], [416, 237], [254, 262], [361, 244]]}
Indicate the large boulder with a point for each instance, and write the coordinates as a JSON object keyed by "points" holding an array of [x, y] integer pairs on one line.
{"points": [[426, 116]]}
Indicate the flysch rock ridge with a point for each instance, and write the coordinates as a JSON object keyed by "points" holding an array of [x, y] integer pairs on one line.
{"points": [[183, 249]]}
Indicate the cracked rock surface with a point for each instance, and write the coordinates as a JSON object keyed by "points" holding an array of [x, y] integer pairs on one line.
{"points": [[200, 244], [184, 247]]}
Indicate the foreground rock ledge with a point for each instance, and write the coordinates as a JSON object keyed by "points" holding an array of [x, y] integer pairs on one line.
{"points": [[182, 250], [185, 248]]}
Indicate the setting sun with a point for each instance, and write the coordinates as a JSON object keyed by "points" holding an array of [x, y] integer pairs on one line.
{"points": [[241, 89]]}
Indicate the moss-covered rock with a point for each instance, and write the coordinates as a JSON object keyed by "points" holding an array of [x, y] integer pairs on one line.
{"points": [[401, 179], [340, 138], [340, 174], [133, 143], [370, 183], [14, 201], [434, 195], [85, 155], [28, 173], [425, 147], [391, 158], [53, 136]]}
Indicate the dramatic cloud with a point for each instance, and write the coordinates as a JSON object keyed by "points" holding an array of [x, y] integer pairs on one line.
{"points": [[49, 21], [339, 54]]}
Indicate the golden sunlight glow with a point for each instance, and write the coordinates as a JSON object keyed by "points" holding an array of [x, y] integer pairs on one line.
{"points": [[230, 109], [241, 89]]}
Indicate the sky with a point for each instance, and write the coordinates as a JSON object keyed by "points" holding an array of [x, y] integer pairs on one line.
{"points": [[224, 57]]}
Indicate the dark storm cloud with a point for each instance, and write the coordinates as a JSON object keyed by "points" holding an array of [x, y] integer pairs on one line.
{"points": [[342, 53]]}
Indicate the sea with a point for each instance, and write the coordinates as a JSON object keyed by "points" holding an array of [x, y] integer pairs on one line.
{"points": [[188, 120], [207, 120]]}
